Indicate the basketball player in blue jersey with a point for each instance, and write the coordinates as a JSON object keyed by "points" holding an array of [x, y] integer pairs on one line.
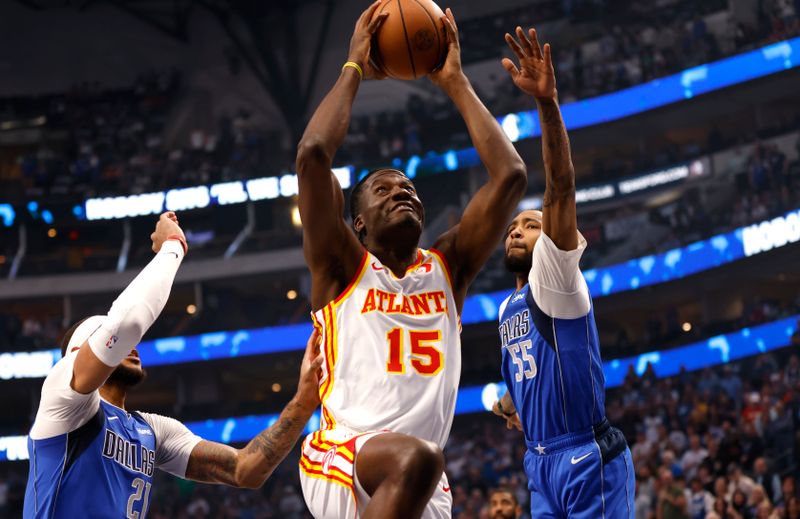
{"points": [[91, 458], [578, 466]]}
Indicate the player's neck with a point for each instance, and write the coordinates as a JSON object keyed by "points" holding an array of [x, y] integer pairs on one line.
{"points": [[113, 394], [397, 259], [521, 280]]}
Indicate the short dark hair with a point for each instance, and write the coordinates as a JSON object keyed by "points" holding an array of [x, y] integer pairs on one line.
{"points": [[68, 336], [355, 194], [504, 490]]}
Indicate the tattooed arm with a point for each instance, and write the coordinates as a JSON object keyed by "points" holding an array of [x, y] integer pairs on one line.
{"points": [[536, 77], [250, 466]]}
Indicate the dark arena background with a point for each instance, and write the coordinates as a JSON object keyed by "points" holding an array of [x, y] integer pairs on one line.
{"points": [[684, 118]]}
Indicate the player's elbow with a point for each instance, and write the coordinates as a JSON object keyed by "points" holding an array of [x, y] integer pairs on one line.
{"points": [[311, 154], [515, 178], [250, 479]]}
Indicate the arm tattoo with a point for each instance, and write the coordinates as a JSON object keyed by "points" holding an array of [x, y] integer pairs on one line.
{"points": [[212, 463], [217, 463], [556, 153], [274, 444]]}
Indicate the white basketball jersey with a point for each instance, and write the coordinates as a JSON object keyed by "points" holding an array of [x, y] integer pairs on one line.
{"points": [[392, 350]]}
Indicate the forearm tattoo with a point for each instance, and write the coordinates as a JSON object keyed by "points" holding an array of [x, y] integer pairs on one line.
{"points": [[217, 463], [274, 444], [556, 152]]}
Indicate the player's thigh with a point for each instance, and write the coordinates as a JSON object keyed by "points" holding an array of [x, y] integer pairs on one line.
{"points": [[619, 491], [598, 490], [541, 480], [392, 455], [543, 507], [377, 456]]}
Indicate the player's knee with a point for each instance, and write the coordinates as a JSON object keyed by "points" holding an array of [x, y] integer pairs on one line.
{"points": [[420, 465]]}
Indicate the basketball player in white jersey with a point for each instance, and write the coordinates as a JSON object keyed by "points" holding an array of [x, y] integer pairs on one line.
{"points": [[389, 310]]}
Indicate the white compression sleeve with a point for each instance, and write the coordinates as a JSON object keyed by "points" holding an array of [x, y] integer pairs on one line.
{"points": [[137, 307]]}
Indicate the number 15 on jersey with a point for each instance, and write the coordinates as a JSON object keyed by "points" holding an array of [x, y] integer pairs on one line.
{"points": [[426, 358]]}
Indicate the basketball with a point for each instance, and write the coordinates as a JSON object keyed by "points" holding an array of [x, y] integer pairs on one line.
{"points": [[412, 41]]}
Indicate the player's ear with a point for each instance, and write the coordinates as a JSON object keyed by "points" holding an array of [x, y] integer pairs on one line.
{"points": [[358, 224]]}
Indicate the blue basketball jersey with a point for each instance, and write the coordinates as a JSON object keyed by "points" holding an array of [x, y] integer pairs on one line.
{"points": [[102, 469], [552, 368]]}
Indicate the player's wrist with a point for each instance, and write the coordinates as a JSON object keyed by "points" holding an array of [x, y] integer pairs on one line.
{"points": [[547, 100], [180, 239], [455, 84], [304, 407], [507, 413]]}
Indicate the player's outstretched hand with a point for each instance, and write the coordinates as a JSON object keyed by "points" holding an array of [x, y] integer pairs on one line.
{"points": [[512, 421], [310, 374], [450, 70], [535, 75], [167, 226], [360, 43]]}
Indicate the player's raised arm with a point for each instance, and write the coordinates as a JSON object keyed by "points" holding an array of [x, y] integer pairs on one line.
{"points": [[536, 77], [328, 242], [469, 245], [250, 466], [133, 312]]}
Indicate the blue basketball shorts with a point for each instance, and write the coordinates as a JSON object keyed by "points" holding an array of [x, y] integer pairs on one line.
{"points": [[586, 475]]}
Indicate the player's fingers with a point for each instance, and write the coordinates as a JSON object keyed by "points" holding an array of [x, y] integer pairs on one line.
{"points": [[367, 15], [312, 346], [450, 31], [510, 67], [548, 55], [514, 46], [537, 49], [527, 48], [375, 24], [316, 363], [452, 18]]}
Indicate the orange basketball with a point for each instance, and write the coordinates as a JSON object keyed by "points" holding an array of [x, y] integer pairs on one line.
{"points": [[412, 40]]}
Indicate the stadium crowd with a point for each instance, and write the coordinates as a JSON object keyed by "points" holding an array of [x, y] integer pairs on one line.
{"points": [[116, 141]]}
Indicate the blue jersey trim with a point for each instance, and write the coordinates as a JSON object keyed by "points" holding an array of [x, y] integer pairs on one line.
{"points": [[542, 321], [81, 438]]}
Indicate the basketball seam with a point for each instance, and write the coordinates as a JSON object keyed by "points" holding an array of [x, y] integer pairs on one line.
{"points": [[435, 30], [408, 43]]}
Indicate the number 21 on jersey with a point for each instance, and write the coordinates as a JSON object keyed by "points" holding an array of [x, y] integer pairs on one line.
{"points": [[426, 359]]}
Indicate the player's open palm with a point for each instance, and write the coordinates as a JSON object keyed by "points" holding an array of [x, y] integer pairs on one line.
{"points": [[535, 75]]}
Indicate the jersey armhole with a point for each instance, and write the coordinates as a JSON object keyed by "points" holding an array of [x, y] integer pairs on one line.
{"points": [[445, 266], [542, 321], [362, 267]]}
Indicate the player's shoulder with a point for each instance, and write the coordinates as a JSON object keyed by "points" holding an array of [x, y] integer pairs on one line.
{"points": [[161, 425]]}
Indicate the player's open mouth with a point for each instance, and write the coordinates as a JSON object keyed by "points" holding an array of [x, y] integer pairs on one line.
{"points": [[404, 206]]}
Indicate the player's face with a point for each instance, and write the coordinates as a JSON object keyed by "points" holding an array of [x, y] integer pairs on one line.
{"points": [[130, 371], [390, 204], [502, 506], [521, 236]]}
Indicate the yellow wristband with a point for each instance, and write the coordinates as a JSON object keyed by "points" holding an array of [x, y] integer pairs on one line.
{"points": [[353, 64]]}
